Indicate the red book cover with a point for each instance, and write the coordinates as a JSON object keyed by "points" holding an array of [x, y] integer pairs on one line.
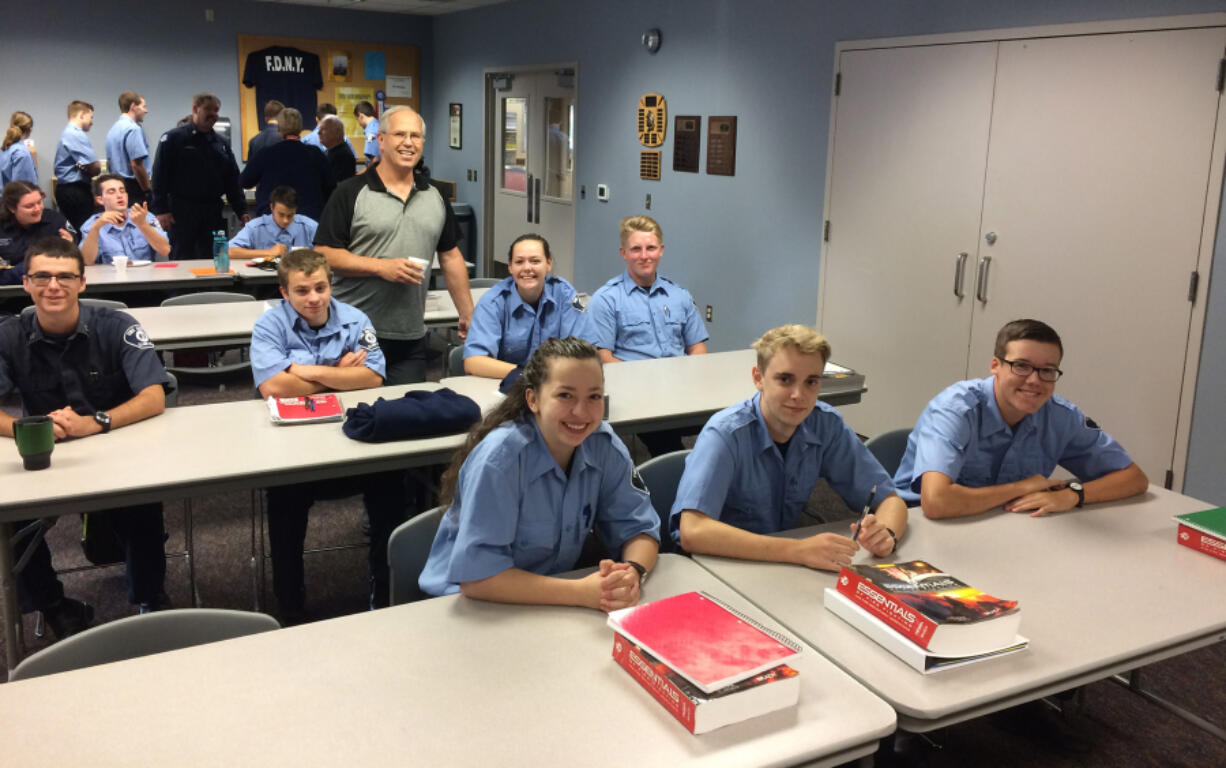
{"points": [[301, 410], [1202, 542], [916, 598], [702, 639], [701, 712]]}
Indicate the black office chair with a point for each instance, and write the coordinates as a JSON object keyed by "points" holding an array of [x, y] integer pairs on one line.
{"points": [[662, 474], [889, 447]]}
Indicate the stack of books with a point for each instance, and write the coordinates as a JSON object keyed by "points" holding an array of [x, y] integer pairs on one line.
{"points": [[927, 618], [1204, 531], [709, 665], [305, 410]]}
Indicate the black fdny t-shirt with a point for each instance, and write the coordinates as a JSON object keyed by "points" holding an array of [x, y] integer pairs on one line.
{"points": [[289, 75]]}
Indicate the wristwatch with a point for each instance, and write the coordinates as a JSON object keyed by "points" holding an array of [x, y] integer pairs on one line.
{"points": [[104, 420], [1073, 486], [642, 572], [893, 536]]}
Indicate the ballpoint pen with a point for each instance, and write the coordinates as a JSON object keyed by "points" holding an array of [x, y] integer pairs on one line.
{"points": [[868, 506]]}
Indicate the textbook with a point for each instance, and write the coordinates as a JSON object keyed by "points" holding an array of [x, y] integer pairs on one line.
{"points": [[931, 608], [304, 410], [703, 640], [908, 652], [1204, 531], [774, 689]]}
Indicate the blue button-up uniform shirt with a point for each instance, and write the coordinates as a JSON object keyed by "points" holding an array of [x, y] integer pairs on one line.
{"points": [[635, 323], [962, 435], [16, 164], [262, 232], [127, 240], [737, 475], [125, 142], [514, 507], [74, 149], [282, 337], [507, 328], [372, 141]]}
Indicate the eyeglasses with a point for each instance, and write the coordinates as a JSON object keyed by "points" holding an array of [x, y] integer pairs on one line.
{"points": [[44, 278], [1024, 369]]}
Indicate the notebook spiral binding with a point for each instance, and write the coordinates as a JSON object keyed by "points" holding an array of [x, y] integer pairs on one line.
{"points": [[786, 640]]}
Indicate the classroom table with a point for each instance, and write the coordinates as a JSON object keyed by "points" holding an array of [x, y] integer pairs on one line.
{"points": [[159, 276], [448, 681], [229, 324], [1102, 590]]}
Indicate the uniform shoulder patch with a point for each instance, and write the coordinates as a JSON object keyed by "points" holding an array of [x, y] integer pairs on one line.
{"points": [[1091, 424], [135, 336], [580, 301], [637, 480], [368, 340]]}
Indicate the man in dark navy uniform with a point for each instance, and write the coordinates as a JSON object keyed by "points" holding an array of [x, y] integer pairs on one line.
{"points": [[91, 370], [271, 133], [194, 167]]}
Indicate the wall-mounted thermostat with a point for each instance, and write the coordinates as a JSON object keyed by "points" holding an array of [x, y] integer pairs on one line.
{"points": [[602, 193]]}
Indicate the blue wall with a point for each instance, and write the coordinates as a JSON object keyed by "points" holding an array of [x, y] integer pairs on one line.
{"points": [[54, 51], [749, 245]]}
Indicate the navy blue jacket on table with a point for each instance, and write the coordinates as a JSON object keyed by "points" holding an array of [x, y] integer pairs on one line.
{"points": [[282, 337], [635, 323], [290, 163], [736, 475], [514, 507], [194, 169], [105, 362], [962, 435], [15, 240], [507, 328]]}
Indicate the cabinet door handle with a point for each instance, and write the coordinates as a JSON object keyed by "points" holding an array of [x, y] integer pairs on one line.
{"points": [[528, 189], [981, 279], [960, 274]]}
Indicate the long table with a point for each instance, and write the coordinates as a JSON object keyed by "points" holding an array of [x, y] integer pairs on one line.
{"points": [[230, 324], [1102, 590], [448, 681]]}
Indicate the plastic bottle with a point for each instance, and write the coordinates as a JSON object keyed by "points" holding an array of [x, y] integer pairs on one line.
{"points": [[221, 252]]}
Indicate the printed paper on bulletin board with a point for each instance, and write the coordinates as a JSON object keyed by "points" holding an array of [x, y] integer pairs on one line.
{"points": [[398, 60]]}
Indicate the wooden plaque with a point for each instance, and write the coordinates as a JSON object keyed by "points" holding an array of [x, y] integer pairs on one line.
{"points": [[687, 141], [721, 146]]}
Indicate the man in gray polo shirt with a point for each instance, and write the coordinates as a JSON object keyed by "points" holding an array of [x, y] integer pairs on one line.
{"points": [[370, 228]]}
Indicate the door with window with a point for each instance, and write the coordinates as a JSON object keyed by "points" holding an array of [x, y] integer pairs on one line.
{"points": [[533, 152]]}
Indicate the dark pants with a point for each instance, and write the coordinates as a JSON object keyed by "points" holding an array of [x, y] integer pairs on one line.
{"points": [[143, 535], [135, 193], [191, 236], [76, 201], [386, 498], [406, 359]]}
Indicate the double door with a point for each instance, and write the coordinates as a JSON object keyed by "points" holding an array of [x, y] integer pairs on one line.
{"points": [[1069, 179]]}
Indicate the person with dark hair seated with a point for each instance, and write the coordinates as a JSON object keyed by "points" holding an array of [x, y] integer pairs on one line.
{"points": [[118, 230], [24, 220], [275, 234]]}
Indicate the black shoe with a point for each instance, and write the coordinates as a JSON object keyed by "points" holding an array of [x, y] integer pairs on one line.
{"points": [[159, 603], [291, 613], [68, 617]]}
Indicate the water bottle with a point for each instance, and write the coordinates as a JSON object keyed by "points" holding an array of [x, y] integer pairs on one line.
{"points": [[221, 252]]}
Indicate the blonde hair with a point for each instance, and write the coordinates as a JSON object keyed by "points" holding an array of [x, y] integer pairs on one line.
{"points": [[804, 340], [640, 224], [19, 124]]}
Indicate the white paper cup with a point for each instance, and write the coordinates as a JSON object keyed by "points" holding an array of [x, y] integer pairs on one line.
{"points": [[120, 262], [424, 264]]}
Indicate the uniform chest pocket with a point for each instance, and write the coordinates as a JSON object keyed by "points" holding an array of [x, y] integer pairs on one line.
{"points": [[637, 329], [106, 389], [536, 537]]}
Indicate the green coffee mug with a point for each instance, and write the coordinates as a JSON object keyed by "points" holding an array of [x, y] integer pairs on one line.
{"points": [[35, 437]]}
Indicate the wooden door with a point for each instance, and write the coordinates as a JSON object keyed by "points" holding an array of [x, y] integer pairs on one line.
{"points": [[1095, 191], [909, 145]]}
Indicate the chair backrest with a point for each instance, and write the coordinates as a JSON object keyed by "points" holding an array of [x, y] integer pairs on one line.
{"points": [[407, 550], [103, 303], [134, 636], [172, 390], [889, 447], [483, 282], [455, 361], [662, 474], [207, 297]]}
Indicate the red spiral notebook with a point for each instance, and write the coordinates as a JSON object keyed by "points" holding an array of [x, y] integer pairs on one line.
{"points": [[703, 640], [304, 410]]}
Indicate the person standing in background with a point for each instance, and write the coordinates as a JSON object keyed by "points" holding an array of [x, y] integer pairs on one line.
{"points": [[75, 165], [127, 152]]}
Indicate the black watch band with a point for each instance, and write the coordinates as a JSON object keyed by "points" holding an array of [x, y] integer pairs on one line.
{"points": [[642, 571], [104, 420], [1073, 486], [893, 536]]}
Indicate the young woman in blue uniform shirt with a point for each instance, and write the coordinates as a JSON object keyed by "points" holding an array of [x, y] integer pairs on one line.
{"points": [[16, 162], [517, 314], [534, 477]]}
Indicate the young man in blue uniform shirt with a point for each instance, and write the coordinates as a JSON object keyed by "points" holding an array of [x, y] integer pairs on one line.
{"points": [[118, 230], [516, 315], [755, 464], [127, 152], [275, 234], [985, 443], [312, 343], [364, 111], [91, 370], [75, 164]]}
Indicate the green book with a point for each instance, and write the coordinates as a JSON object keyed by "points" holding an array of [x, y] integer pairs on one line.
{"points": [[1210, 521]]}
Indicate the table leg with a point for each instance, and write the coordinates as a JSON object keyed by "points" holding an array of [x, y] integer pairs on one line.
{"points": [[8, 598]]}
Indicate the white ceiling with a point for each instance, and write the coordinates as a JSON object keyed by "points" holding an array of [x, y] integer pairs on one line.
{"points": [[415, 7]]}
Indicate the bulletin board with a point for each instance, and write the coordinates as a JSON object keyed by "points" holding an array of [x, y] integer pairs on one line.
{"points": [[364, 69]]}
